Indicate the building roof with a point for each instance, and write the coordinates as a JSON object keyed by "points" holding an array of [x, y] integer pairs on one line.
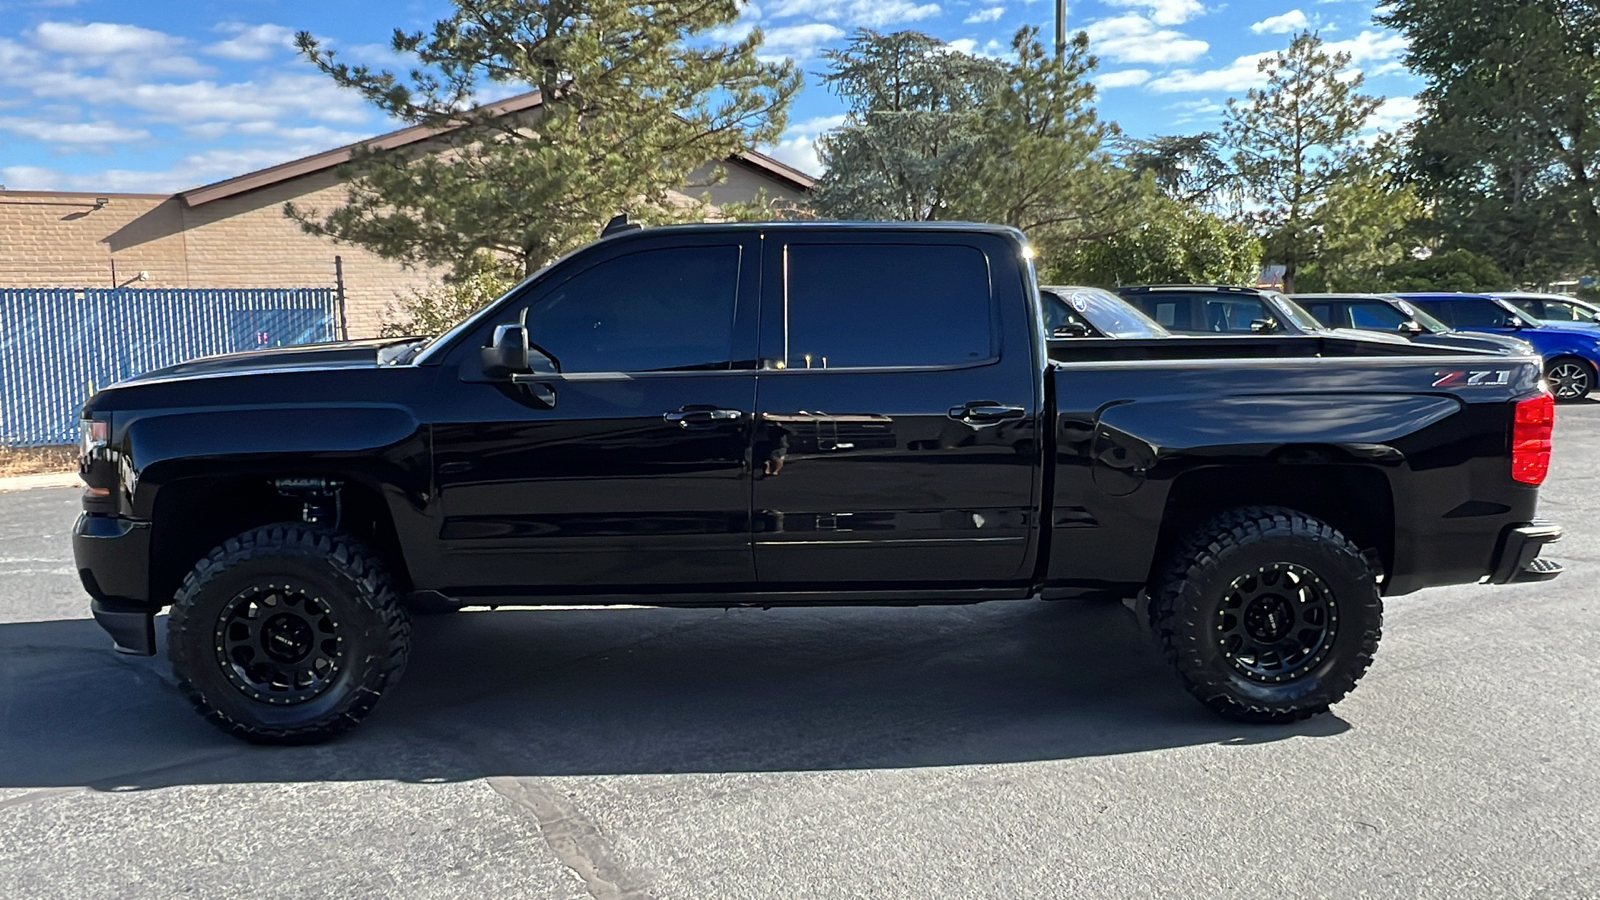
{"points": [[327, 159]]}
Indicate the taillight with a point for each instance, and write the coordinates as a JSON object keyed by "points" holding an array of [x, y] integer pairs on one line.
{"points": [[1530, 438]]}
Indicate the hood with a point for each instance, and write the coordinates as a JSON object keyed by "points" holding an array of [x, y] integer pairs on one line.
{"points": [[1493, 343], [341, 355]]}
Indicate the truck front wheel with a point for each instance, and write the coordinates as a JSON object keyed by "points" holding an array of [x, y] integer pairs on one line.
{"points": [[1268, 614], [287, 634]]}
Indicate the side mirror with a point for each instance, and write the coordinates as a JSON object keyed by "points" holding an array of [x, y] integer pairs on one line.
{"points": [[507, 354], [1263, 326], [1410, 327]]}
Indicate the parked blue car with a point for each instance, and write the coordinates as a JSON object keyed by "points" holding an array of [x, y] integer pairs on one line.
{"points": [[1571, 350]]}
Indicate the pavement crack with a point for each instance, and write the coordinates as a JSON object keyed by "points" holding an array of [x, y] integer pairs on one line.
{"points": [[574, 839]]}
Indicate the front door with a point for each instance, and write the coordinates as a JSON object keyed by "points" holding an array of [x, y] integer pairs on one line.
{"points": [[639, 474], [896, 434]]}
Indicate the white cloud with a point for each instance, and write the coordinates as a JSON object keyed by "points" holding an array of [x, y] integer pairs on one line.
{"points": [[854, 13], [93, 133], [992, 14], [1134, 39], [1293, 20], [1192, 110], [1381, 49], [101, 39], [1242, 73], [1394, 113], [252, 42], [799, 41], [799, 151], [1163, 12], [1124, 78], [279, 96]]}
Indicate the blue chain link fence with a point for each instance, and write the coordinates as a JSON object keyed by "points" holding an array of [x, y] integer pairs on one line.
{"points": [[58, 345]]}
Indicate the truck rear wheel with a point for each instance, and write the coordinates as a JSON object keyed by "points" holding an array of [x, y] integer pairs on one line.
{"points": [[1269, 615], [287, 634]]}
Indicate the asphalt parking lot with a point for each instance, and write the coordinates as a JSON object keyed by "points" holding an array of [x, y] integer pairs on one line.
{"points": [[1008, 750]]}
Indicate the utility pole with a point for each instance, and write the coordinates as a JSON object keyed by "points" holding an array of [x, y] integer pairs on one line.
{"points": [[1061, 30]]}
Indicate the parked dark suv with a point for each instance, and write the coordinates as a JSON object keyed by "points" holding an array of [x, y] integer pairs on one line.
{"points": [[1388, 314], [1220, 309]]}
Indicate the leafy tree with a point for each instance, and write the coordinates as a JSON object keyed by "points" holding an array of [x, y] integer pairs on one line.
{"points": [[1188, 168], [1451, 270], [1293, 140], [1508, 143], [635, 99], [1176, 244], [440, 306], [933, 133], [914, 129], [1045, 167], [1370, 219]]}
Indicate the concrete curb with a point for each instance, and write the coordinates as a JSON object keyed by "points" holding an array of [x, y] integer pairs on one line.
{"points": [[47, 480]]}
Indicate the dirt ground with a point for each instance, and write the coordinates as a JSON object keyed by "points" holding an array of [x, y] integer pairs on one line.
{"points": [[38, 460]]}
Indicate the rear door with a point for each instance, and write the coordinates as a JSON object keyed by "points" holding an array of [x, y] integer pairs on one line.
{"points": [[897, 412]]}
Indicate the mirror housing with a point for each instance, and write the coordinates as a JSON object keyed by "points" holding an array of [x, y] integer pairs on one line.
{"points": [[508, 353]]}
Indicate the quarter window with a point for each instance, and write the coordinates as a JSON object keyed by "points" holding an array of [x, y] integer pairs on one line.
{"points": [[650, 311], [886, 305]]}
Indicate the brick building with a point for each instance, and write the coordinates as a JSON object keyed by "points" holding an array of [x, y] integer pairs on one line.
{"points": [[233, 233]]}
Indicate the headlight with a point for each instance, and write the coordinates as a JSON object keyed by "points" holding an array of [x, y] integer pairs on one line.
{"points": [[93, 435]]}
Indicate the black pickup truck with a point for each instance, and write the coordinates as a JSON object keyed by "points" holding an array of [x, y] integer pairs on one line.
{"points": [[771, 414]]}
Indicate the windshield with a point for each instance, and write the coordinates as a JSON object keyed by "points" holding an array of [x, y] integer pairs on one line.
{"points": [[1428, 323], [1295, 313], [1107, 313]]}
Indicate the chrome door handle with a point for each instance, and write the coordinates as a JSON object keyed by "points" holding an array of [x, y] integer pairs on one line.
{"points": [[986, 413], [692, 417]]}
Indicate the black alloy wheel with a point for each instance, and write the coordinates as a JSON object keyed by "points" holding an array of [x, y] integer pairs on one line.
{"points": [[279, 643], [287, 634], [1268, 614], [1277, 623], [1570, 378]]}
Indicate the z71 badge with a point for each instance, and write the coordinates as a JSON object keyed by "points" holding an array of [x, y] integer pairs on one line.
{"points": [[1464, 378]]}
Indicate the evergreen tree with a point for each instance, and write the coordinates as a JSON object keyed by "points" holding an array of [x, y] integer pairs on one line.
{"points": [[635, 99], [1293, 140]]}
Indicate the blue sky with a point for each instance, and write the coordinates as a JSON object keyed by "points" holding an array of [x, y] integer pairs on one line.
{"points": [[161, 95]]}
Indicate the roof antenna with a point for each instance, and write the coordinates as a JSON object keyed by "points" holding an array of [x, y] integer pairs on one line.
{"points": [[618, 225]]}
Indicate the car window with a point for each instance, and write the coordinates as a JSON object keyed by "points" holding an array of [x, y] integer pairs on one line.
{"points": [[1562, 311], [653, 310], [1479, 312], [1331, 315], [1058, 312], [1166, 314], [1116, 317], [1439, 309], [1376, 316], [886, 305], [1233, 315]]}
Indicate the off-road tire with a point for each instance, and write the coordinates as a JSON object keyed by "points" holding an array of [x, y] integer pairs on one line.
{"points": [[1578, 385], [329, 569], [1187, 612]]}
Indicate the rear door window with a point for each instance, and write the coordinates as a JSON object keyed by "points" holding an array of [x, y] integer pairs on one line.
{"points": [[886, 305], [1476, 312]]}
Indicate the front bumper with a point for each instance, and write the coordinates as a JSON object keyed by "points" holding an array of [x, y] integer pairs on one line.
{"points": [[1518, 559], [113, 560]]}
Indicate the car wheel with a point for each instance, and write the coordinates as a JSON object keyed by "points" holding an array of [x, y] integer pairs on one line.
{"points": [[287, 634], [1570, 378], [1269, 615]]}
